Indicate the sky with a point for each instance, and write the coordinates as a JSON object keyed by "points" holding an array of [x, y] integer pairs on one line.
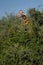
{"points": [[13, 6]]}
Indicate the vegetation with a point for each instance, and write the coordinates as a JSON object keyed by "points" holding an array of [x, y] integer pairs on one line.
{"points": [[22, 44]]}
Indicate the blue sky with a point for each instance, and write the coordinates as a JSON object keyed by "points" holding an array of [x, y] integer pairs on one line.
{"points": [[13, 6]]}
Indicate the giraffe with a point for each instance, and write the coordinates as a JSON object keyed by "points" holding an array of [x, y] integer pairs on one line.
{"points": [[23, 16]]}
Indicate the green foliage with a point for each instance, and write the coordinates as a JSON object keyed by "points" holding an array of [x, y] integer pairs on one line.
{"points": [[21, 44]]}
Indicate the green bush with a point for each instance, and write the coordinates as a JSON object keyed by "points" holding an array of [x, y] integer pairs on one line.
{"points": [[21, 44]]}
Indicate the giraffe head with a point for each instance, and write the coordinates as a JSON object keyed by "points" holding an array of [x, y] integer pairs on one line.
{"points": [[19, 14]]}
